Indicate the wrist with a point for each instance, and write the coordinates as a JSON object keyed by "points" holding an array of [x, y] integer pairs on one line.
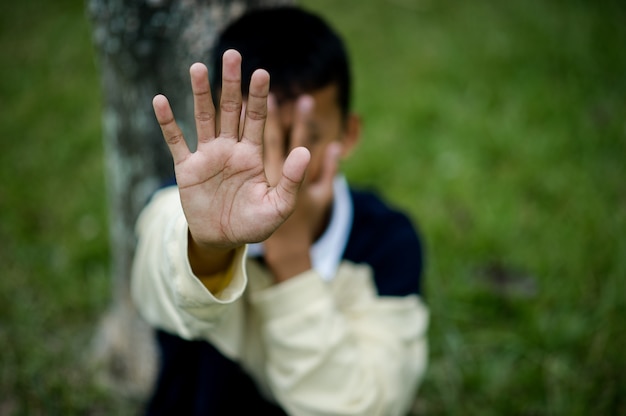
{"points": [[288, 263], [207, 260]]}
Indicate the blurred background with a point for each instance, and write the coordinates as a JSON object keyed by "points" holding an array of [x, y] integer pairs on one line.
{"points": [[500, 126]]}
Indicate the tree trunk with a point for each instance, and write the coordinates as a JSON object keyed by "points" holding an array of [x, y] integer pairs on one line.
{"points": [[145, 47]]}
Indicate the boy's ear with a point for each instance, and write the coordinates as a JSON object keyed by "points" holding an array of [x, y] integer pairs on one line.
{"points": [[351, 135]]}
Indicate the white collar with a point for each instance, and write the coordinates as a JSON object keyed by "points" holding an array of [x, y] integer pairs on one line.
{"points": [[327, 251]]}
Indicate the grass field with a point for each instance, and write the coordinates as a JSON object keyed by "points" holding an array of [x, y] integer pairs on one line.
{"points": [[499, 126]]}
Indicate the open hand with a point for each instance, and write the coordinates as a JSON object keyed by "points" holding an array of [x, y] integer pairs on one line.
{"points": [[224, 191]]}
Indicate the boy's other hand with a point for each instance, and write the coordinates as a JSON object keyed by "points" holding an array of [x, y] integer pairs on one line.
{"points": [[288, 248], [225, 194]]}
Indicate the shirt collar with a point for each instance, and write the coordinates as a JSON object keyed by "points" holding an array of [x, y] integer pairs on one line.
{"points": [[327, 251]]}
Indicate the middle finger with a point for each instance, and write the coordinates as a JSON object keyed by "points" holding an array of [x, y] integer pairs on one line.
{"points": [[230, 102]]}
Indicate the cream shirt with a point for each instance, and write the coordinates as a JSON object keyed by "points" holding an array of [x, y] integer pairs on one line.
{"points": [[315, 346]]}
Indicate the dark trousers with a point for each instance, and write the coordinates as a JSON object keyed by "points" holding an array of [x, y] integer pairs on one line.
{"points": [[196, 379]]}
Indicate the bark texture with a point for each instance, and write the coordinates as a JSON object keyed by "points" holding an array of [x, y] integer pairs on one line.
{"points": [[144, 47]]}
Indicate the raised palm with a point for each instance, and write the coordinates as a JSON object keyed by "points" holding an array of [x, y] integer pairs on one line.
{"points": [[224, 191]]}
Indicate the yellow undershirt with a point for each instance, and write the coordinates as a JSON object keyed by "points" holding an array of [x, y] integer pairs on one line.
{"points": [[217, 282]]}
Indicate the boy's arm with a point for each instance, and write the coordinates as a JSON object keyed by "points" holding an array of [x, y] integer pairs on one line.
{"points": [[349, 346], [339, 348], [164, 288], [226, 197], [191, 241]]}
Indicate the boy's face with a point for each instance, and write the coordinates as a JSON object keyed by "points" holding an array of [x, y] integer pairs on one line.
{"points": [[323, 124]]}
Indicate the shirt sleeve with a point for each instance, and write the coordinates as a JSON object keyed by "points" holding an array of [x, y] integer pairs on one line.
{"points": [[339, 348], [165, 290]]}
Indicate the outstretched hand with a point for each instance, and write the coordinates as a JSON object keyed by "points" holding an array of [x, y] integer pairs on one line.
{"points": [[225, 194]]}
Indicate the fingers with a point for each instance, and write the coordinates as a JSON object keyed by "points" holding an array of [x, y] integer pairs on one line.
{"points": [[273, 143], [230, 102], [204, 110], [322, 189], [171, 132], [300, 131], [256, 107], [331, 162], [276, 143]]}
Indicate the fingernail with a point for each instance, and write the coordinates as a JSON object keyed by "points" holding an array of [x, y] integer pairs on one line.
{"points": [[335, 150], [305, 103]]}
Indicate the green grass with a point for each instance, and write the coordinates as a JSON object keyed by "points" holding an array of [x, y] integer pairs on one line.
{"points": [[499, 126]]}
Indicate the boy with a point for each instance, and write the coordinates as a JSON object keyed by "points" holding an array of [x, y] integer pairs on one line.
{"points": [[273, 292]]}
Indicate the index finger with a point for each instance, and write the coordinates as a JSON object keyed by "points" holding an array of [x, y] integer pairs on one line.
{"points": [[299, 135]]}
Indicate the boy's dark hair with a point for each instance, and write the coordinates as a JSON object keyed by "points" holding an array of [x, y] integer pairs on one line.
{"points": [[299, 50]]}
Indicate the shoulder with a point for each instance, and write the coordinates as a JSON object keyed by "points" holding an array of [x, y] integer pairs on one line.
{"points": [[386, 239]]}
